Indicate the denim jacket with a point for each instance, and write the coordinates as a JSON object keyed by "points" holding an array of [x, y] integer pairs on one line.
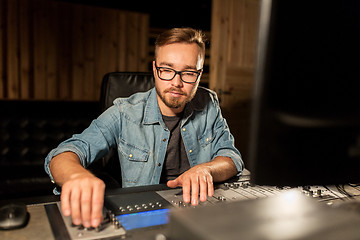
{"points": [[134, 126]]}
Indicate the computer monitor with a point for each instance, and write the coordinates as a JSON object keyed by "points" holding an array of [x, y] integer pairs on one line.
{"points": [[306, 111]]}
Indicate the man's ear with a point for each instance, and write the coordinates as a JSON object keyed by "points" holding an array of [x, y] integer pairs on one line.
{"points": [[153, 67], [154, 70]]}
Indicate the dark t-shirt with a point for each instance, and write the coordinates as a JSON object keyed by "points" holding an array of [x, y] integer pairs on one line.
{"points": [[176, 161]]}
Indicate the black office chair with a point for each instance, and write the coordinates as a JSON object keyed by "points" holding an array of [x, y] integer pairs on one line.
{"points": [[123, 84], [114, 85]]}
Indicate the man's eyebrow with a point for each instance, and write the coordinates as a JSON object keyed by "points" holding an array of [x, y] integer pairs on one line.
{"points": [[172, 65], [166, 64], [190, 67]]}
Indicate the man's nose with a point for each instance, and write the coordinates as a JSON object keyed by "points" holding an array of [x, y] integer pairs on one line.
{"points": [[177, 82]]}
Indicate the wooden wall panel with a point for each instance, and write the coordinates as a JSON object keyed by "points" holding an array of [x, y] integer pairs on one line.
{"points": [[25, 51], [233, 50], [53, 50], [78, 40], [64, 52], [219, 43], [132, 49], [243, 32], [2, 48], [91, 88], [144, 26], [12, 42], [105, 52], [39, 44], [51, 38], [121, 65]]}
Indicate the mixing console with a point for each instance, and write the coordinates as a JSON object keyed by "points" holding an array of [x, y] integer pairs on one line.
{"points": [[130, 211], [242, 190]]}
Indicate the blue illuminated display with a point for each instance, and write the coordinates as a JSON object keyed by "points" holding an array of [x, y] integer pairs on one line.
{"points": [[144, 219]]}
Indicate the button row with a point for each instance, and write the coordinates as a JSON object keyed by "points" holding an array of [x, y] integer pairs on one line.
{"points": [[180, 203], [140, 207]]}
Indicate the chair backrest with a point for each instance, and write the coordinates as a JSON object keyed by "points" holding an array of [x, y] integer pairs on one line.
{"points": [[123, 84]]}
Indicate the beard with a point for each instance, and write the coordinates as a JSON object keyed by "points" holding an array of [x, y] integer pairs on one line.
{"points": [[175, 102]]}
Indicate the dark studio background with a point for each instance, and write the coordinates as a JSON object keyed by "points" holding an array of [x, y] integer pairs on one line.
{"points": [[164, 14]]}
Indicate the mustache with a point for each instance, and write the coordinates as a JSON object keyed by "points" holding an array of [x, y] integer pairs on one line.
{"points": [[175, 90]]}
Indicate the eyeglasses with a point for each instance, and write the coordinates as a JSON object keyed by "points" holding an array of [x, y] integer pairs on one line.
{"points": [[168, 74]]}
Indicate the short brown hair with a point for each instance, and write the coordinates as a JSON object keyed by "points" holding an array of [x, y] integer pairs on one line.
{"points": [[181, 35]]}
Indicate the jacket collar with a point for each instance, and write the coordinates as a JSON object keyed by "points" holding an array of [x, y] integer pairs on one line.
{"points": [[152, 111]]}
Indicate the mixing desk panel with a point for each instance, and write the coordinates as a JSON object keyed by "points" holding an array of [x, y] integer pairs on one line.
{"points": [[129, 211], [157, 212]]}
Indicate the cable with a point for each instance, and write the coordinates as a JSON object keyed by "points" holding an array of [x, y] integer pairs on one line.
{"points": [[354, 184], [342, 190], [333, 192]]}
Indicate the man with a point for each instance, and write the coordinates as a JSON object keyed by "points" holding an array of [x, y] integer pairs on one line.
{"points": [[173, 133]]}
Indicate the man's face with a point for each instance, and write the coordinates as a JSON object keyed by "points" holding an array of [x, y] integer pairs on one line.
{"points": [[174, 94]]}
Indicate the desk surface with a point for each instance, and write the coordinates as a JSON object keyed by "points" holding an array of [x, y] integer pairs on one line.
{"points": [[37, 228]]}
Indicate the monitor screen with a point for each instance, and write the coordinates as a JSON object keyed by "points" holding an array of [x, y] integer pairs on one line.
{"points": [[306, 111]]}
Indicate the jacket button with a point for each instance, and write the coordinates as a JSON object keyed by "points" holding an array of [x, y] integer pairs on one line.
{"points": [[164, 140], [159, 164], [190, 151], [184, 129], [130, 155]]}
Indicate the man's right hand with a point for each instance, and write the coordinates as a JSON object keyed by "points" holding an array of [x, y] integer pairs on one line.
{"points": [[82, 197], [82, 194]]}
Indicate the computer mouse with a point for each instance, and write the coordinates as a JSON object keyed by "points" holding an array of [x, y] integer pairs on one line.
{"points": [[13, 216]]}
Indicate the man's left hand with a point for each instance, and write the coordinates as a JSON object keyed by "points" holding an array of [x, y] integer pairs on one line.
{"points": [[197, 180]]}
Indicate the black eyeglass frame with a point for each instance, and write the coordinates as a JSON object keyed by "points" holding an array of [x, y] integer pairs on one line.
{"points": [[198, 72]]}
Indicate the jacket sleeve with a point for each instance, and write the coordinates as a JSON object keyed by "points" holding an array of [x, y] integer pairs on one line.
{"points": [[223, 142]]}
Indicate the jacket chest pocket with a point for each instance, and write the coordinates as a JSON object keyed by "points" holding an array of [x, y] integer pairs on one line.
{"points": [[206, 138], [132, 161]]}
